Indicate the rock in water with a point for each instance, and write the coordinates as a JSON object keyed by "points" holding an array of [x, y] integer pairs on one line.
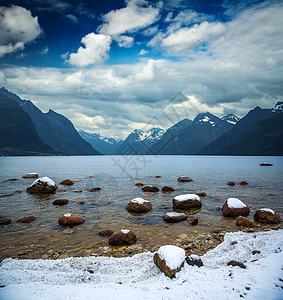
{"points": [[192, 221], [60, 202], [174, 217], [139, 205], [243, 221], [123, 237], [30, 175], [194, 260], [167, 189], [95, 189], [231, 183], [150, 188], [266, 215], [42, 185], [5, 221], [67, 182], [234, 207], [184, 179], [26, 219], [139, 184], [105, 232], [70, 220], [169, 259], [187, 201], [264, 164]]}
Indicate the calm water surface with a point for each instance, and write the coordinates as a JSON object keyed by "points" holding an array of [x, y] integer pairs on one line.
{"points": [[117, 175]]}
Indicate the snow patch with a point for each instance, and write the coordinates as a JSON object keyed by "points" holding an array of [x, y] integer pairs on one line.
{"points": [[173, 256], [187, 197], [125, 231], [139, 200], [49, 181], [235, 203], [268, 210], [194, 257], [174, 214], [67, 215]]}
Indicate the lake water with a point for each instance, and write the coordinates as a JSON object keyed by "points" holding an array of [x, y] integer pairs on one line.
{"points": [[117, 175]]}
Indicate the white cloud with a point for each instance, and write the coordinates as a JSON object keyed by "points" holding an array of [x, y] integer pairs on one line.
{"points": [[125, 41], [136, 15], [17, 28], [44, 51], [190, 37], [143, 52], [72, 18], [150, 31], [96, 50]]}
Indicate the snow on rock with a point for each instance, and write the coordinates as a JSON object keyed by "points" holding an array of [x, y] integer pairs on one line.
{"points": [[139, 200], [45, 179], [174, 214], [173, 256], [139, 205], [174, 217], [50, 279], [42, 185], [268, 209], [235, 203], [187, 197], [125, 231]]}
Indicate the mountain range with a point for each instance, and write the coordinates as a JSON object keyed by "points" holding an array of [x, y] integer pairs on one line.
{"points": [[26, 130]]}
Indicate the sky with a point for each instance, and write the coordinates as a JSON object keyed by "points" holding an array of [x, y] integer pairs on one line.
{"points": [[114, 66]]}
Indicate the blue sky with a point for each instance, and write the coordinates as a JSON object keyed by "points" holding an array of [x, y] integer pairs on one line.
{"points": [[113, 66]]}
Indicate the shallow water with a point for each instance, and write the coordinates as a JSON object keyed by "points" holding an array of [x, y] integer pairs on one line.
{"points": [[117, 175]]}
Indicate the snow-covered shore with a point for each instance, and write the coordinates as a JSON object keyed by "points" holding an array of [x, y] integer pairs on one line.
{"points": [[138, 277]]}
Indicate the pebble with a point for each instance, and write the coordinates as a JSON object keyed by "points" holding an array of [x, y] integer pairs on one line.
{"points": [[64, 255], [44, 256], [68, 231]]}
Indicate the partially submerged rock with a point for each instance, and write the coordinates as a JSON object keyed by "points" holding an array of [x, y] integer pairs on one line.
{"points": [[234, 207], [80, 202], [70, 220], [11, 179], [265, 164], [95, 189], [139, 205], [243, 183], [26, 219], [169, 259], [105, 232], [30, 175], [167, 189], [5, 221], [67, 182], [192, 221], [42, 185], [184, 179], [243, 221], [201, 194], [266, 215], [231, 183], [187, 201], [194, 260], [174, 217], [150, 188], [60, 202], [122, 237], [139, 184]]}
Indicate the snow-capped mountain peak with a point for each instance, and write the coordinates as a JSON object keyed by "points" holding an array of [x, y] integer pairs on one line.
{"points": [[205, 118], [230, 118], [278, 107], [149, 135]]}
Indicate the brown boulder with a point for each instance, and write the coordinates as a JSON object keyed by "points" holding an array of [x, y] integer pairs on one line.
{"points": [[5, 221], [139, 184], [158, 176], [42, 185], [80, 202], [186, 201], [192, 221], [167, 189], [256, 252], [96, 189], [61, 191], [17, 192], [201, 194], [105, 232], [266, 215], [2, 216], [67, 182], [234, 207], [123, 237], [70, 219], [26, 219], [11, 179], [231, 183], [60, 202], [169, 259], [174, 217], [243, 183], [139, 205], [30, 175], [184, 179], [150, 188], [243, 221]]}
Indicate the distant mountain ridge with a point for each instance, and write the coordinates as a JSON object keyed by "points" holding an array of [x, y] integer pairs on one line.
{"points": [[54, 129]]}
